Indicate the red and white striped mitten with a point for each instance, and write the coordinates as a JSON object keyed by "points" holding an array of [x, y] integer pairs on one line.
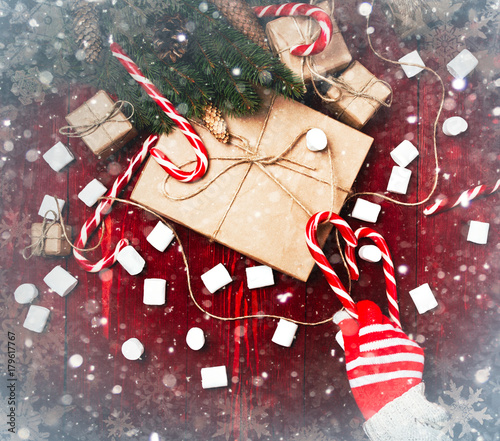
{"points": [[384, 368]]}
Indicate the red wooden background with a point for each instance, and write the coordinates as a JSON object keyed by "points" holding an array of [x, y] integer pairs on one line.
{"points": [[275, 393]]}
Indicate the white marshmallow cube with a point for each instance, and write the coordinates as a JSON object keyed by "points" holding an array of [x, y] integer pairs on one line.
{"points": [[423, 298], [365, 210], [131, 260], [132, 349], [195, 339], [160, 236], [462, 65], [92, 192], [212, 377], [58, 156], [454, 126], [36, 319], [259, 276], [478, 232], [60, 281], [25, 293], [370, 253], [216, 278], [284, 333], [316, 140], [49, 204], [154, 291], [399, 180], [414, 58], [404, 153]]}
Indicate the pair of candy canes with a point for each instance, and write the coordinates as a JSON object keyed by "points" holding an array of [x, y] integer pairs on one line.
{"points": [[351, 238]]}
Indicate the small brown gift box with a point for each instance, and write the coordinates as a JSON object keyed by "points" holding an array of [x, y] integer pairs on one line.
{"points": [[285, 32], [54, 244], [360, 98], [107, 137], [260, 205]]}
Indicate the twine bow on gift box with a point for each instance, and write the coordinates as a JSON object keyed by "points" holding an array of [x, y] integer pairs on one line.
{"points": [[37, 248], [254, 158], [79, 131], [51, 218]]}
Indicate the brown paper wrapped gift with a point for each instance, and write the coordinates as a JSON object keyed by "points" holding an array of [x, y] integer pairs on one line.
{"points": [[361, 95], [285, 32], [54, 242], [272, 184], [106, 137]]}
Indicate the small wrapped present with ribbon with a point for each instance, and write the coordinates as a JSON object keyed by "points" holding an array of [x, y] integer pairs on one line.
{"points": [[356, 95], [286, 32], [101, 125], [263, 185], [48, 239]]}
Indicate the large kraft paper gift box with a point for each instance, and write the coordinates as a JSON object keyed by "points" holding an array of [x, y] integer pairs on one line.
{"points": [[254, 207], [285, 32], [109, 137]]}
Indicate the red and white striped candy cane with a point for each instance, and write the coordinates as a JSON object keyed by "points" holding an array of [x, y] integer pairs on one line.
{"points": [[388, 265], [103, 209], [182, 123], [464, 199], [293, 9], [321, 260]]}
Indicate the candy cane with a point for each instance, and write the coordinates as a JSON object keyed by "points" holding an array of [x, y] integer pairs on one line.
{"points": [[181, 122], [293, 9], [464, 199], [103, 209], [321, 260], [388, 265]]}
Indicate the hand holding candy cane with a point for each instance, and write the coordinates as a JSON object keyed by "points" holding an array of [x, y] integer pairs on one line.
{"points": [[294, 9]]}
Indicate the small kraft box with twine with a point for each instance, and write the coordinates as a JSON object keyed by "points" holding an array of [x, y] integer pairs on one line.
{"points": [[286, 32], [101, 125], [47, 239], [356, 95]]}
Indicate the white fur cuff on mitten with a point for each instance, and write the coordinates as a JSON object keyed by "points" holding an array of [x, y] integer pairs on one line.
{"points": [[409, 417]]}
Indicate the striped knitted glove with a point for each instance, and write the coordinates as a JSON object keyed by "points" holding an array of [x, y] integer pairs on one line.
{"points": [[384, 368]]}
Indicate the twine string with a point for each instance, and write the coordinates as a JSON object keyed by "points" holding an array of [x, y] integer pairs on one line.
{"points": [[261, 161], [79, 131], [434, 131], [188, 276]]}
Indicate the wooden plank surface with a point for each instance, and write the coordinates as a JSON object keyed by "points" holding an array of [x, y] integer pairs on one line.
{"points": [[274, 393]]}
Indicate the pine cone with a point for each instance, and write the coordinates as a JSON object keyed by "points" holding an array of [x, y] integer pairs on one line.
{"points": [[215, 123], [87, 30], [241, 17], [170, 37]]}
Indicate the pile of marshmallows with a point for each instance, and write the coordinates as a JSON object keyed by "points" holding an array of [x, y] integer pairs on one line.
{"points": [[214, 279]]}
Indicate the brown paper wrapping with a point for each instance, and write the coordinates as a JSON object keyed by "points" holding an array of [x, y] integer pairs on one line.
{"points": [[353, 110], [109, 137], [286, 32], [259, 219], [55, 243]]}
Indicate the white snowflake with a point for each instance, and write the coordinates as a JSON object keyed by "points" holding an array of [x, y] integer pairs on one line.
{"points": [[463, 410]]}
